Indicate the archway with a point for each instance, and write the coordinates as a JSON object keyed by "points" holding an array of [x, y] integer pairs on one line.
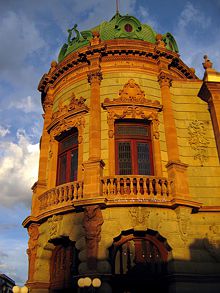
{"points": [[139, 262], [63, 265]]}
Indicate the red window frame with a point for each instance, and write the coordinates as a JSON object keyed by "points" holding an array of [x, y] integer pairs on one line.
{"points": [[134, 139], [68, 149]]}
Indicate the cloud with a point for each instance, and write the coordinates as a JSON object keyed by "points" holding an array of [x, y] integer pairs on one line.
{"points": [[4, 131], [145, 16], [18, 170], [14, 263], [196, 36], [26, 104], [192, 15]]}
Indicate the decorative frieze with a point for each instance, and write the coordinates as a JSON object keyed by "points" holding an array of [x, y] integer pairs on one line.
{"points": [[198, 140]]}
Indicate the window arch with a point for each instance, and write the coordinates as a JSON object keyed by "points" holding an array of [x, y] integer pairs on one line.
{"points": [[67, 165]]}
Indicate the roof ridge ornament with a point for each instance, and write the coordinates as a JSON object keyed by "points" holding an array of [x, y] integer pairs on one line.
{"points": [[207, 64]]}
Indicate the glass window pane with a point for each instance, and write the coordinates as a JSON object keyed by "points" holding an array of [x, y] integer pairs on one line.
{"points": [[62, 169], [73, 165], [131, 130], [143, 158], [67, 143], [124, 158]]}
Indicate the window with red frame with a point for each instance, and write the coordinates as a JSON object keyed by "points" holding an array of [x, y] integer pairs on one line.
{"points": [[133, 148], [67, 157]]}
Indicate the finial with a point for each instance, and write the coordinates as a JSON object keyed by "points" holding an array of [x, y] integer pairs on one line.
{"points": [[117, 9], [207, 64]]}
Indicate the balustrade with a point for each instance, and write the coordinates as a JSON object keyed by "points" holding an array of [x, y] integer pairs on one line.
{"points": [[146, 187], [61, 195]]}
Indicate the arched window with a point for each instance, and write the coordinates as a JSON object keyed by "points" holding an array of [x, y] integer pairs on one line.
{"points": [[133, 147], [67, 166]]}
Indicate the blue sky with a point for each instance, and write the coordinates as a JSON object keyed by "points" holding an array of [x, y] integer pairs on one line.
{"points": [[31, 34]]}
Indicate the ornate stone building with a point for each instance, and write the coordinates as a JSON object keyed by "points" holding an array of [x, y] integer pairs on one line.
{"points": [[129, 177]]}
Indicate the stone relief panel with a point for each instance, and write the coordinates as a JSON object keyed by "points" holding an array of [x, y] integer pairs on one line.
{"points": [[183, 218], [54, 226], [198, 140], [139, 216]]}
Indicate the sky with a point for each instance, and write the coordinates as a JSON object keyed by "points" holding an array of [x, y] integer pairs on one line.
{"points": [[31, 35]]}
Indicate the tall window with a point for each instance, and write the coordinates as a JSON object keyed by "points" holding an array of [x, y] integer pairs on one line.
{"points": [[133, 148], [67, 157]]}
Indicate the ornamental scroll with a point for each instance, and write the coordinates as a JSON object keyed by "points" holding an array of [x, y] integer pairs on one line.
{"points": [[131, 103], [198, 140]]}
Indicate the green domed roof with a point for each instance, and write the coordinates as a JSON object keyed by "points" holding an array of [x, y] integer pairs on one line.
{"points": [[119, 27]]}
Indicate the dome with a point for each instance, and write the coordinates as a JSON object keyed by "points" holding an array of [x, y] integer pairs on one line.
{"points": [[119, 27]]}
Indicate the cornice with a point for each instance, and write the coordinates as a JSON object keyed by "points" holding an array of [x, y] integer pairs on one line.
{"points": [[121, 49]]}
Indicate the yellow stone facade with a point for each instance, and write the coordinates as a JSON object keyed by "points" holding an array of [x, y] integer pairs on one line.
{"points": [[180, 207]]}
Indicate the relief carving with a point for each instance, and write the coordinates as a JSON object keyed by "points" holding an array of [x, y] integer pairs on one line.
{"points": [[212, 242], [75, 105], [164, 80], [198, 140], [134, 112], [54, 223], [33, 245], [132, 94], [95, 77], [92, 223], [183, 218], [139, 216], [67, 124]]}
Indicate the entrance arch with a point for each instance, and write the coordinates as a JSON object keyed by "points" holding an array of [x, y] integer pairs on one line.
{"points": [[63, 265], [139, 262]]}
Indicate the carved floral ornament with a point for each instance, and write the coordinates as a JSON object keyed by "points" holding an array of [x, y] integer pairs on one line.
{"points": [[69, 116], [198, 140], [66, 124], [132, 104], [75, 106]]}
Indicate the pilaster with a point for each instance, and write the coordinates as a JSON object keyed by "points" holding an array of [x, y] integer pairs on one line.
{"points": [[175, 168], [41, 185], [93, 168]]}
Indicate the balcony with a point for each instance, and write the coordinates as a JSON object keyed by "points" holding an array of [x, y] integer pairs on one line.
{"points": [[116, 190], [61, 196], [137, 189]]}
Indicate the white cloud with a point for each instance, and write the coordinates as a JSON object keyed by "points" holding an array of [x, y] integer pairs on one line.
{"points": [[18, 170], [146, 17], [190, 33], [26, 104], [14, 263], [4, 131], [19, 38], [191, 15]]}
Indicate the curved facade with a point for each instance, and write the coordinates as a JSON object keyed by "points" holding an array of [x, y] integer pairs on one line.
{"points": [[129, 175]]}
